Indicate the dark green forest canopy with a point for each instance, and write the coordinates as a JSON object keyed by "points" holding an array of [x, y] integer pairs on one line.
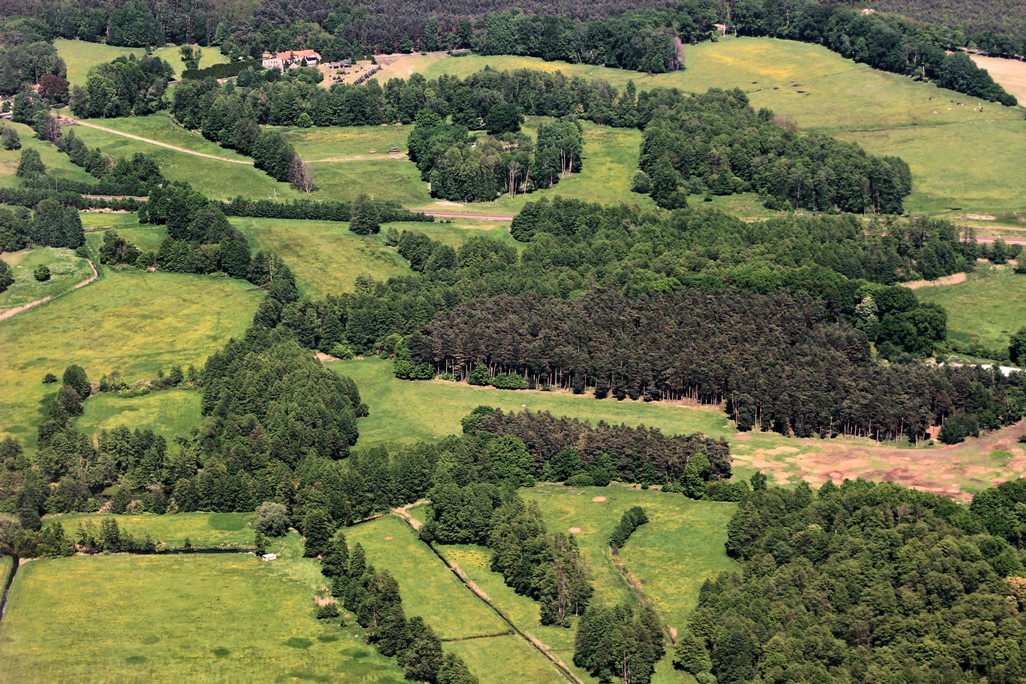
{"points": [[866, 582]]}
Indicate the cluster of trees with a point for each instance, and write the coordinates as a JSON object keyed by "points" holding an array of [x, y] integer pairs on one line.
{"points": [[135, 176], [548, 567], [632, 519], [467, 169], [716, 143], [223, 117], [852, 584], [373, 597], [884, 41], [51, 224], [127, 86], [387, 211], [28, 57], [619, 644], [580, 454]]}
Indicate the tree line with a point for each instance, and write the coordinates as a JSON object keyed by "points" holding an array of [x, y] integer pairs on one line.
{"points": [[850, 583]]}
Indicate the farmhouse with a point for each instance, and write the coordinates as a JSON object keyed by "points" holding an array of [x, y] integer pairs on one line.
{"points": [[290, 59]]}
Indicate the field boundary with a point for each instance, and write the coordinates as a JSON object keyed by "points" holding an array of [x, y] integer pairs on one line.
{"points": [[537, 645]]}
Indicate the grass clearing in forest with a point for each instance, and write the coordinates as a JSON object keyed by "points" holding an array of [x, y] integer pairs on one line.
{"points": [[325, 256], [66, 271], [146, 236], [57, 164], [178, 618], [134, 322], [203, 530], [169, 413], [987, 308], [80, 56]]}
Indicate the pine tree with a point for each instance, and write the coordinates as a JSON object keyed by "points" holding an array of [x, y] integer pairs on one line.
{"points": [[317, 533]]}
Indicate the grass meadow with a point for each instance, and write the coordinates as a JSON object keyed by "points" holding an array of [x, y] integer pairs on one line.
{"points": [[203, 530], [130, 321], [146, 237], [433, 592], [169, 413], [57, 165], [986, 309], [80, 56], [66, 271], [202, 618]]}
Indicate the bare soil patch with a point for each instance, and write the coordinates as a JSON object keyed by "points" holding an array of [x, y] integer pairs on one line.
{"points": [[388, 538], [1009, 73], [574, 530], [953, 279], [598, 499]]}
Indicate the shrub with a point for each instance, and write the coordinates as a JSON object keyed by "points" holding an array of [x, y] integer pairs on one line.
{"points": [[50, 378], [328, 611], [42, 273]]}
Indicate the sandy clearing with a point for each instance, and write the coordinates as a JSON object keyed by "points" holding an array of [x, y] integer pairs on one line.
{"points": [[598, 499], [953, 279], [1009, 73], [574, 530]]}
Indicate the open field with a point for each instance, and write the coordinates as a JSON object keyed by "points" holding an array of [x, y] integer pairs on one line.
{"points": [[1009, 73], [325, 256], [67, 270], [162, 128], [405, 411], [215, 178], [454, 232], [80, 56], [321, 145], [961, 157], [130, 321], [177, 618], [169, 413], [987, 308], [203, 530], [57, 164], [432, 591], [147, 237]]}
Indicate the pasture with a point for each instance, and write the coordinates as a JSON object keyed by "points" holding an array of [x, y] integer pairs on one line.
{"points": [[203, 530], [146, 236], [324, 255], [177, 618], [987, 308], [67, 270], [432, 591], [215, 178], [130, 321], [963, 159], [80, 56], [169, 413]]}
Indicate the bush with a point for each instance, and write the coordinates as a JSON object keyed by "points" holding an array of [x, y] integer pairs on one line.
{"points": [[42, 273], [327, 611], [50, 378], [579, 480], [510, 381], [479, 376]]}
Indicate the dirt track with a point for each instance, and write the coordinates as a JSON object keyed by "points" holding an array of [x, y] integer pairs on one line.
{"points": [[11, 313], [78, 122], [469, 215]]}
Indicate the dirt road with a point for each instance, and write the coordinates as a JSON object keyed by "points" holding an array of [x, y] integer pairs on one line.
{"points": [[79, 122], [11, 313], [469, 215]]}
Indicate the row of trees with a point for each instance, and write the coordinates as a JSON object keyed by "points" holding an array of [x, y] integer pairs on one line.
{"points": [[374, 598], [850, 584], [134, 176]]}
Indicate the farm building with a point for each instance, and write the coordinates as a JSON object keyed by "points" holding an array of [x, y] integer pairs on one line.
{"points": [[290, 59], [269, 557]]}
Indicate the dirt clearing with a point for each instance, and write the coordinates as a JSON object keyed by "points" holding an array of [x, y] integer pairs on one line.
{"points": [[598, 499], [1009, 73], [574, 530], [953, 279]]}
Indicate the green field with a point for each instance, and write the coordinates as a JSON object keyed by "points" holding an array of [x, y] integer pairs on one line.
{"points": [[455, 232], [169, 413], [146, 237], [57, 164], [213, 177], [432, 591], [985, 309], [130, 321], [67, 270], [322, 145], [962, 159], [80, 56], [178, 618], [203, 530], [405, 411], [324, 255]]}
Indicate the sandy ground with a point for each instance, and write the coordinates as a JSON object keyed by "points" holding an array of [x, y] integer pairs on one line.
{"points": [[953, 279], [1009, 73]]}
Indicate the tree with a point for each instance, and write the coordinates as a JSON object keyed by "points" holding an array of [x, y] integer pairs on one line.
{"points": [[272, 519], [316, 533], [6, 277], [455, 671], [54, 89], [48, 127], [301, 175], [31, 164], [691, 654], [365, 220], [1017, 346], [75, 377], [9, 138], [41, 273], [422, 655], [503, 118], [511, 462]]}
